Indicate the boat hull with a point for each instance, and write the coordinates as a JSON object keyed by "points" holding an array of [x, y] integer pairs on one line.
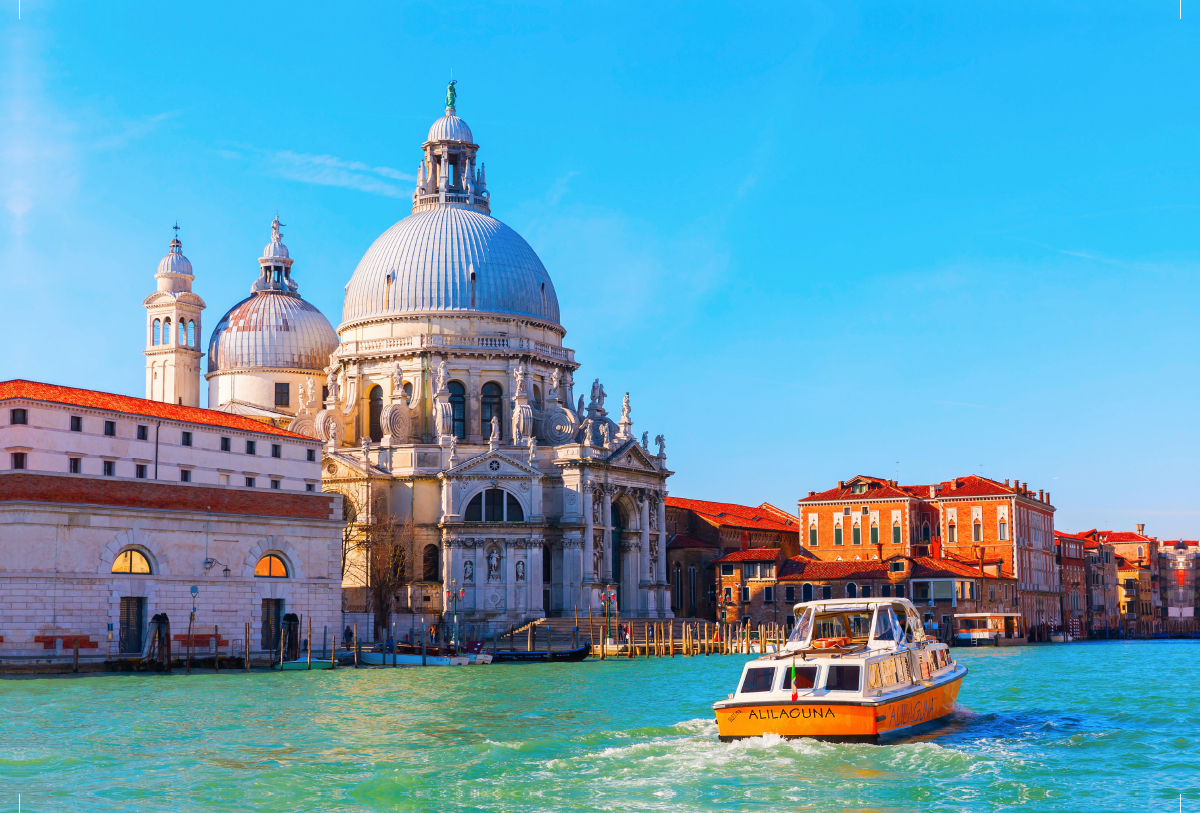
{"points": [[401, 659], [303, 665], [839, 721]]}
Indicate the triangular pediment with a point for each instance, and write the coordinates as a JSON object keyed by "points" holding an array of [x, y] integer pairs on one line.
{"points": [[492, 464], [338, 465], [633, 456]]}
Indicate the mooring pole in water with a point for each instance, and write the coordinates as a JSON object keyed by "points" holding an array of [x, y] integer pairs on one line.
{"points": [[246, 648], [591, 629], [575, 631], [424, 661], [310, 642], [282, 633], [217, 647], [333, 653], [356, 646], [75, 656]]}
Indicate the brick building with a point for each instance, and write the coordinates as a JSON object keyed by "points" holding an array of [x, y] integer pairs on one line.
{"points": [[746, 587], [1103, 593], [1069, 556], [699, 532], [114, 509], [967, 517], [1136, 547]]}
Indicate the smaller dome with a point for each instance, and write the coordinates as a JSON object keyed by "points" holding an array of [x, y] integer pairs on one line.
{"points": [[450, 128], [175, 262], [275, 250]]}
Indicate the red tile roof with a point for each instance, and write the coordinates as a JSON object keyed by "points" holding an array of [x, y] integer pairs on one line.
{"points": [[1123, 536], [764, 518], [685, 541], [1077, 537], [877, 489], [799, 569], [752, 555], [923, 567], [54, 394]]}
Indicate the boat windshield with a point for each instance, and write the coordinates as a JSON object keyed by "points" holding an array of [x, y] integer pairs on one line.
{"points": [[844, 622], [887, 628], [802, 628]]}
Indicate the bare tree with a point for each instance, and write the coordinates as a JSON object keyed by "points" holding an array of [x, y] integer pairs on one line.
{"points": [[378, 555]]}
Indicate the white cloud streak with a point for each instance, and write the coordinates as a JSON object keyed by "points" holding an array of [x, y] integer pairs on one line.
{"points": [[329, 170]]}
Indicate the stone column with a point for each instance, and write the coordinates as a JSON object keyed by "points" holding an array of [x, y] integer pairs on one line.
{"points": [[533, 575], [509, 568], [645, 584], [586, 499], [605, 573], [472, 408]]}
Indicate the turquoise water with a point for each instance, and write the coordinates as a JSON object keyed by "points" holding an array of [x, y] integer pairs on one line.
{"points": [[1097, 726]]}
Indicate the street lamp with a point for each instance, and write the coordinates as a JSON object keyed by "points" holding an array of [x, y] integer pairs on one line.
{"points": [[454, 594], [608, 597]]}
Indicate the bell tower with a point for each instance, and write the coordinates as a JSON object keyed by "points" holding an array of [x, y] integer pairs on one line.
{"points": [[173, 332]]}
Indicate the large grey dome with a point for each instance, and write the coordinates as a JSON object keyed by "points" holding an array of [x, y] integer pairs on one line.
{"points": [[272, 329], [452, 258]]}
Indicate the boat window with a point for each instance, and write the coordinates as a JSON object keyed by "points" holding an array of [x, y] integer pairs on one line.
{"points": [[806, 677], [758, 680], [842, 678]]}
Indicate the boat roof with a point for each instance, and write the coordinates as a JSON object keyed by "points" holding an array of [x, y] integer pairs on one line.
{"points": [[834, 603], [987, 615]]}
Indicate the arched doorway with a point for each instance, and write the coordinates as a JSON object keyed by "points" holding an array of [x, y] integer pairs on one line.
{"points": [[375, 398], [547, 578]]}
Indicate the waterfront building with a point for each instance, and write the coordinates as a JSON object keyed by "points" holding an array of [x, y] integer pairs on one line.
{"points": [[699, 531], [449, 417], [1178, 564], [1069, 556], [1137, 547], [940, 587], [1137, 611], [1103, 596], [852, 521], [116, 509], [965, 517], [747, 587]]}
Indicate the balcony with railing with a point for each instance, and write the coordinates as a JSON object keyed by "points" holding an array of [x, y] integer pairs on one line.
{"points": [[424, 203], [431, 341]]}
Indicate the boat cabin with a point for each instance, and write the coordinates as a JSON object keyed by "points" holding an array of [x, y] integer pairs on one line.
{"points": [[988, 629]]}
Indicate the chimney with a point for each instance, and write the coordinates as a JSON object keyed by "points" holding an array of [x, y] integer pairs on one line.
{"points": [[1047, 498], [1040, 499], [1006, 482], [981, 573], [932, 492], [1141, 528], [879, 548], [841, 483], [1025, 489], [812, 493]]}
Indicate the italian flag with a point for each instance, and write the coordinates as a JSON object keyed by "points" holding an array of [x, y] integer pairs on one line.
{"points": [[795, 691]]}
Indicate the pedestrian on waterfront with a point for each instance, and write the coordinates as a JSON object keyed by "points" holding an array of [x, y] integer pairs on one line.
{"points": [[390, 643], [348, 635]]}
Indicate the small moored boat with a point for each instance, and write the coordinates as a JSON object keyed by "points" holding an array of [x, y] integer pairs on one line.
{"points": [[853, 670]]}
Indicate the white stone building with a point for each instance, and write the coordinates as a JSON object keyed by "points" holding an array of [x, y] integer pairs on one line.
{"points": [[173, 332], [113, 509], [450, 404]]}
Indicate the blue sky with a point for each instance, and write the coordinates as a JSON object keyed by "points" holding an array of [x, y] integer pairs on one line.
{"points": [[812, 240]]}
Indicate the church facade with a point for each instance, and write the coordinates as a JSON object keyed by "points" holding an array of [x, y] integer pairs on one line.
{"points": [[447, 409]]}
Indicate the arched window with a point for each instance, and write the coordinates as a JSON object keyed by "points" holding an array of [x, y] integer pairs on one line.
{"points": [[271, 567], [131, 561], [1141, 552], [489, 405], [375, 409], [537, 397], [494, 505], [806, 593], [191, 333], [925, 532], [851, 590], [458, 405], [977, 530], [678, 602], [951, 533], [431, 564], [614, 544], [182, 332], [408, 391], [167, 330], [349, 512], [156, 332]]}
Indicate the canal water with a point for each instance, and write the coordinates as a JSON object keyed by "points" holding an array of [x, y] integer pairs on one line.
{"points": [[1079, 727]]}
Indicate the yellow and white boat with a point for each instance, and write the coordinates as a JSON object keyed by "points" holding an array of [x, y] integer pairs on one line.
{"points": [[853, 670]]}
